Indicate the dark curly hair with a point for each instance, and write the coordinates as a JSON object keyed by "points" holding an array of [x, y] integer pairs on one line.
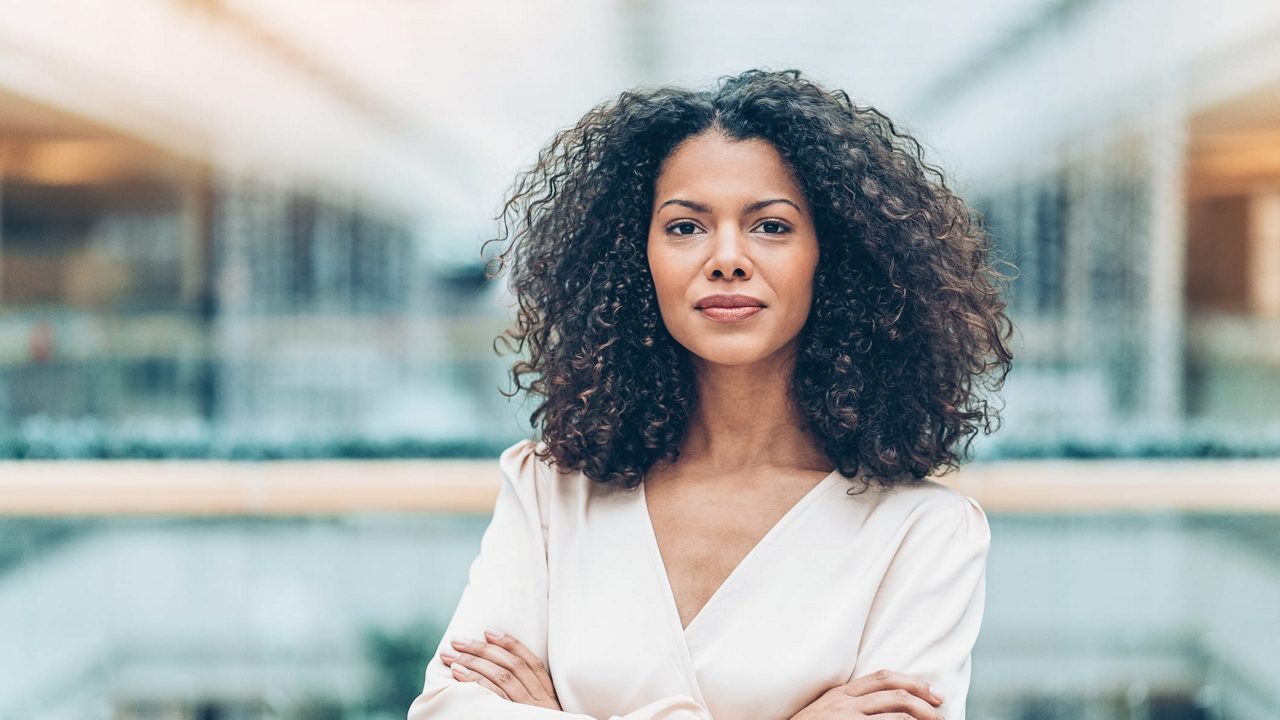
{"points": [[907, 326]]}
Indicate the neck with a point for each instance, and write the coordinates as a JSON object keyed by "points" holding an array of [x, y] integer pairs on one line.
{"points": [[744, 419]]}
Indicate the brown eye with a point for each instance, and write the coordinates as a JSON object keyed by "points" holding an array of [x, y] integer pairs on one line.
{"points": [[682, 228], [773, 227]]}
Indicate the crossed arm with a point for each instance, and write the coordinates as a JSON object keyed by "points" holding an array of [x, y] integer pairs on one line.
{"points": [[507, 591], [923, 624]]}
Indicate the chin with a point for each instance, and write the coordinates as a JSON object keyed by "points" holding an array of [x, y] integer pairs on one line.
{"points": [[729, 353], [728, 360]]}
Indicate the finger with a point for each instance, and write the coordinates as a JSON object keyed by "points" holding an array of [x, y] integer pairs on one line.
{"points": [[889, 680], [467, 675], [898, 700], [498, 675], [531, 660], [464, 674], [530, 685]]}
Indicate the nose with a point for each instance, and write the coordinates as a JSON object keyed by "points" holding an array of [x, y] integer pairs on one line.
{"points": [[729, 257]]}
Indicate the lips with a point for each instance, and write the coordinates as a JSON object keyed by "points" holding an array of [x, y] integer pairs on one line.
{"points": [[729, 308], [728, 301], [725, 314]]}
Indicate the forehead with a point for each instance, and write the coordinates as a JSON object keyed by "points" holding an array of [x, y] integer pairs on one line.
{"points": [[710, 165]]}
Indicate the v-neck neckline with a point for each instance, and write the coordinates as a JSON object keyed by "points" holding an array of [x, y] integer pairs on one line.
{"points": [[665, 579]]}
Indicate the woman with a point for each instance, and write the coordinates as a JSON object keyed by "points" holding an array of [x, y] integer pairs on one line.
{"points": [[735, 302]]}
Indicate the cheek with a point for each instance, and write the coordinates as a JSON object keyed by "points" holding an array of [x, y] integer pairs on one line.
{"points": [[666, 277], [800, 289], [811, 268]]}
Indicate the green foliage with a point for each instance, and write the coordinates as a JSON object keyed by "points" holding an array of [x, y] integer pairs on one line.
{"points": [[399, 658], [1194, 443], [45, 438], [319, 708], [48, 439]]}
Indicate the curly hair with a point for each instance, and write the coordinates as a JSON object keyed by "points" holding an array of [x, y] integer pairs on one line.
{"points": [[905, 334]]}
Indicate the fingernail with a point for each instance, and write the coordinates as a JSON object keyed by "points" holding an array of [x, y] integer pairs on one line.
{"points": [[461, 641], [492, 633], [449, 656], [460, 670], [934, 692]]}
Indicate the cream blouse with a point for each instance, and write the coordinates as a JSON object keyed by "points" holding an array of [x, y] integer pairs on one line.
{"points": [[841, 586]]}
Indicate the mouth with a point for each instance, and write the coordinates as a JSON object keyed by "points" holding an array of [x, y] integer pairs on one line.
{"points": [[730, 314]]}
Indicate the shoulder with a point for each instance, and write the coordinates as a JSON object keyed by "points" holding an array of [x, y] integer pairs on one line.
{"points": [[524, 471], [525, 490], [528, 461], [559, 497], [520, 463], [929, 512], [535, 478]]}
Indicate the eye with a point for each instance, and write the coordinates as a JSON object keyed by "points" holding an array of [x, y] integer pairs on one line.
{"points": [[774, 227], [683, 227]]}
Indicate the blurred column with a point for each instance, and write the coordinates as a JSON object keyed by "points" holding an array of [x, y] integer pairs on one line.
{"points": [[1167, 151], [642, 38], [1263, 266], [3, 150], [197, 296], [196, 269]]}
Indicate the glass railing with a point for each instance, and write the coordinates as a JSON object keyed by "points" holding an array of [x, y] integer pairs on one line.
{"points": [[1109, 612]]}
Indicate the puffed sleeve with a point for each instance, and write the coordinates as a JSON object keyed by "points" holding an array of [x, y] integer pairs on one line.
{"points": [[507, 590], [925, 617]]}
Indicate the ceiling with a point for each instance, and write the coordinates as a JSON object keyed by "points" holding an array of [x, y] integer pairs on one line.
{"points": [[438, 103], [491, 81]]}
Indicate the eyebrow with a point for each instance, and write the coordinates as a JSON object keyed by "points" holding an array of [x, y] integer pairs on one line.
{"points": [[746, 209]]}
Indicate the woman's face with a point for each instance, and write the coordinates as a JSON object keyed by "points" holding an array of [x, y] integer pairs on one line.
{"points": [[729, 219]]}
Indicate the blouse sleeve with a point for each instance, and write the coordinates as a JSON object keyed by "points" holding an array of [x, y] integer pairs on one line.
{"points": [[926, 614], [507, 590]]}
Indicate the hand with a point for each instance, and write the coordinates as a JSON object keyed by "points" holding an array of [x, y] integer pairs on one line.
{"points": [[505, 666], [881, 694]]}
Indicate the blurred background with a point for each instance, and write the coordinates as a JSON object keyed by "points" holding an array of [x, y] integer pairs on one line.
{"points": [[250, 409]]}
